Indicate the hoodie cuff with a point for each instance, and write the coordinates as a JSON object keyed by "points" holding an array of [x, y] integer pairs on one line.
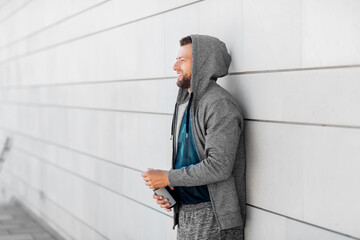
{"points": [[173, 175]]}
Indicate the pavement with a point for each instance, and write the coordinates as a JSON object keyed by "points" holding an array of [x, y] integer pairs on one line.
{"points": [[17, 223]]}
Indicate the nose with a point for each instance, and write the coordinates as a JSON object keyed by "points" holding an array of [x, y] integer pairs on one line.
{"points": [[176, 66]]}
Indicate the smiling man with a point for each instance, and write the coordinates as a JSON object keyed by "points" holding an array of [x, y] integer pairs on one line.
{"points": [[208, 166], [183, 66]]}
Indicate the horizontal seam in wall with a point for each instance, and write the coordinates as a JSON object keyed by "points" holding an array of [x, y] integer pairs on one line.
{"points": [[85, 83], [82, 108], [69, 149], [174, 77], [295, 69], [92, 34], [302, 123], [87, 179], [52, 25], [55, 203], [15, 11], [169, 114], [303, 222]]}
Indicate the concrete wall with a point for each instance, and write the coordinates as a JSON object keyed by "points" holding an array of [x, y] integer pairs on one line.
{"points": [[87, 94]]}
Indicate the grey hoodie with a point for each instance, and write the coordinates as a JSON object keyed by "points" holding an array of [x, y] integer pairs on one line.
{"points": [[217, 127]]}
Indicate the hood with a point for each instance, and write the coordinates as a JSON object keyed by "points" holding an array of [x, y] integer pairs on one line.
{"points": [[210, 61]]}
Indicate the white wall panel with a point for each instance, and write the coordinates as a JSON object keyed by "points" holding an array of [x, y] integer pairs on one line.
{"points": [[328, 96], [271, 35], [9, 116], [30, 21], [331, 176], [225, 21], [274, 168], [255, 31], [299, 231], [330, 32], [178, 26], [7, 10], [157, 96], [3, 3], [304, 172], [105, 134], [265, 225]]}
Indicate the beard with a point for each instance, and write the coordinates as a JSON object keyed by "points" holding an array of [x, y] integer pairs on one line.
{"points": [[184, 82]]}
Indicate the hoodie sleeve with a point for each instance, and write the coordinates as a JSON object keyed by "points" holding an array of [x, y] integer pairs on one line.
{"points": [[224, 125]]}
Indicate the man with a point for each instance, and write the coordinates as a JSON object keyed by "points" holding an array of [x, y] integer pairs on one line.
{"points": [[208, 173]]}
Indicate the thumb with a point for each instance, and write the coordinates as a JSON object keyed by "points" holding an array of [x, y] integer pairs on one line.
{"points": [[172, 188]]}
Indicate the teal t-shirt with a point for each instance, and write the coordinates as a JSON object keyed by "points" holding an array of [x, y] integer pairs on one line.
{"points": [[186, 156]]}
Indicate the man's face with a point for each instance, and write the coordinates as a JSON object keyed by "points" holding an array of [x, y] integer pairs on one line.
{"points": [[183, 66]]}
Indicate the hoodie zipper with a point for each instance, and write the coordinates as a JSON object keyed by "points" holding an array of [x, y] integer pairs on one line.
{"points": [[173, 134], [188, 115], [172, 137]]}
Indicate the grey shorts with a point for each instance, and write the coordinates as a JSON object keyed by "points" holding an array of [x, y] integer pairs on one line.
{"points": [[198, 222]]}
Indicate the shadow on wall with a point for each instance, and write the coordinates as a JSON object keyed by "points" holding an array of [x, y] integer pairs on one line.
{"points": [[5, 150]]}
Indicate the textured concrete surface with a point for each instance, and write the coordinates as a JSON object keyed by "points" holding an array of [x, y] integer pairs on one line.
{"points": [[18, 224]]}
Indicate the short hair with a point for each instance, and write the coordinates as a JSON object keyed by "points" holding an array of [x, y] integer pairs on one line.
{"points": [[185, 40]]}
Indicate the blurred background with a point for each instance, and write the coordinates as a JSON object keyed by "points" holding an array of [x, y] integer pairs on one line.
{"points": [[87, 93]]}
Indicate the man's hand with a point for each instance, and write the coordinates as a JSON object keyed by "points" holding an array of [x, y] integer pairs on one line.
{"points": [[164, 203], [156, 178]]}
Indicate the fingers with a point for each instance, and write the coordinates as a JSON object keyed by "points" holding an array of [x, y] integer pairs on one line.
{"points": [[145, 174], [160, 200], [150, 184], [164, 203]]}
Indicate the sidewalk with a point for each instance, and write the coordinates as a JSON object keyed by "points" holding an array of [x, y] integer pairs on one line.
{"points": [[17, 224]]}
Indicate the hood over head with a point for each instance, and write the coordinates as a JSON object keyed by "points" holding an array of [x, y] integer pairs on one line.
{"points": [[210, 61]]}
